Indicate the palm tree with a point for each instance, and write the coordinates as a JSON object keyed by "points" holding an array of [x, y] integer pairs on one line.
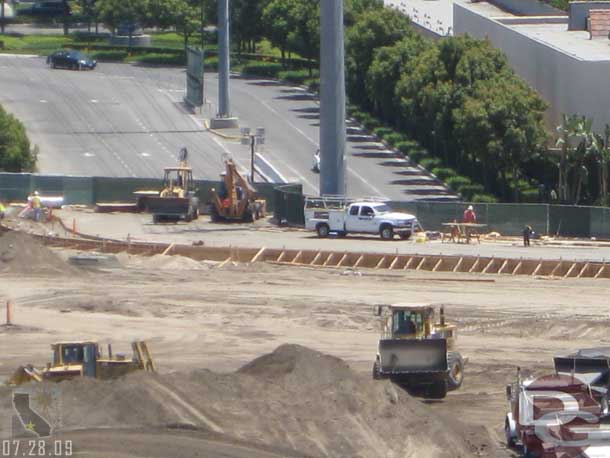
{"points": [[576, 143], [601, 149]]}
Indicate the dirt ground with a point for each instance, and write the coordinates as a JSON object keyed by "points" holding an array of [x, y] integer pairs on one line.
{"points": [[203, 323]]}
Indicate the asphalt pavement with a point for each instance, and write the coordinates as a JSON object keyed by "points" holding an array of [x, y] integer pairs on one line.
{"points": [[129, 120]]}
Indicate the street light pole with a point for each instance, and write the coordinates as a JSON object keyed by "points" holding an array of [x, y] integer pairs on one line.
{"points": [[252, 142]]}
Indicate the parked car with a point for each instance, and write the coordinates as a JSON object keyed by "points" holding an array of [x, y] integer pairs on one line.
{"points": [[48, 8], [68, 58]]}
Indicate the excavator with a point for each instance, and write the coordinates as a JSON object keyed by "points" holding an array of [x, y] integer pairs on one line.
{"points": [[85, 359], [235, 199], [177, 199]]}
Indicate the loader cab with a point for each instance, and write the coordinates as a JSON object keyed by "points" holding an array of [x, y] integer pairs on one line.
{"points": [[411, 322], [76, 353], [177, 181]]}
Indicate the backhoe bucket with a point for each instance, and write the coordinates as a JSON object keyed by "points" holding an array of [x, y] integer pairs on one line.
{"points": [[406, 356], [25, 374]]}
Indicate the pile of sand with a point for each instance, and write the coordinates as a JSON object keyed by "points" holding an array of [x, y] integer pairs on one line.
{"points": [[162, 262], [22, 253], [294, 398]]}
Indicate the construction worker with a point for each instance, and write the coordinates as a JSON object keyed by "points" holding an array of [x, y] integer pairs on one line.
{"points": [[36, 206], [2, 210], [527, 233], [469, 215]]}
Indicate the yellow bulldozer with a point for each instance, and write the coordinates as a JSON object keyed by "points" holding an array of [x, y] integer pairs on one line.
{"points": [[235, 199], [416, 351], [85, 359]]}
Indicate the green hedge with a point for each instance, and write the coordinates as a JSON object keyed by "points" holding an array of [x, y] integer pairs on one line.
{"points": [[160, 58], [110, 56], [406, 146], [419, 155], [458, 182], [468, 191], [300, 77], [381, 132], [430, 162], [484, 199], [394, 138], [444, 172], [530, 195], [268, 69]]}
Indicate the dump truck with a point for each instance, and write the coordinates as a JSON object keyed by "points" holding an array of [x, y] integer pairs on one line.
{"points": [[235, 199], [85, 359], [417, 352], [573, 400], [177, 200]]}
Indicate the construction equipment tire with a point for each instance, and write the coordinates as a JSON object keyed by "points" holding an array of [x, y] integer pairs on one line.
{"points": [[455, 370], [376, 371]]}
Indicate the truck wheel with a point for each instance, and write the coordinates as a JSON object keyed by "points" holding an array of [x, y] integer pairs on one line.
{"points": [[455, 374], [376, 371], [323, 230], [438, 390], [386, 232]]}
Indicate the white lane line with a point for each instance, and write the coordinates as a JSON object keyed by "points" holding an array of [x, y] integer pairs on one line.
{"points": [[274, 111], [361, 178]]}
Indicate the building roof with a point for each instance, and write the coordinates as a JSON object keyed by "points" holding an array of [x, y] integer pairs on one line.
{"points": [[549, 30]]}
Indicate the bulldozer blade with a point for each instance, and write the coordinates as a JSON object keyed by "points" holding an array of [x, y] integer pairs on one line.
{"points": [[24, 374], [405, 356]]}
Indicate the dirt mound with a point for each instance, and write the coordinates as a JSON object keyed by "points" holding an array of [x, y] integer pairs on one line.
{"points": [[294, 398], [22, 253], [162, 262]]}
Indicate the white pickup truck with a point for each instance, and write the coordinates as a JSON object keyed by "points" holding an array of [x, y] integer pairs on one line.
{"points": [[366, 217]]}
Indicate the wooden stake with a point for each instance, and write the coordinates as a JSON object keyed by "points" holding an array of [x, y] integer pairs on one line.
{"points": [[9, 313]]}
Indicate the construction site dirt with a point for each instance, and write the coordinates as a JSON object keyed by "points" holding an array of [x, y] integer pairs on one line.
{"points": [[209, 324]]}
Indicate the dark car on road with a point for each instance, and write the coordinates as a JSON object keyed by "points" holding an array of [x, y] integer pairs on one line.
{"points": [[48, 8], [74, 60]]}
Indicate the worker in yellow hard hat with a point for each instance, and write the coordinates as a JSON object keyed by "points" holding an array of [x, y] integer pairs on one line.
{"points": [[36, 206]]}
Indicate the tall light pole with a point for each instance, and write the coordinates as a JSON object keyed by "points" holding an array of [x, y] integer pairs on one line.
{"points": [[223, 59], [332, 99], [223, 117]]}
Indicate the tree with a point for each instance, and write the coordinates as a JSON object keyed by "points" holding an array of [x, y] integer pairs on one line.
{"points": [[16, 154], [502, 120], [601, 149], [389, 63], [113, 13], [88, 10], [576, 142], [376, 28], [305, 38], [279, 22], [247, 24]]}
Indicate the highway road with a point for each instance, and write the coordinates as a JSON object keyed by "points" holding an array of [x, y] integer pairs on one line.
{"points": [[129, 120]]}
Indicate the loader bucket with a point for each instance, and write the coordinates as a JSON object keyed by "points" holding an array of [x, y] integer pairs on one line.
{"points": [[24, 374], [406, 356]]}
